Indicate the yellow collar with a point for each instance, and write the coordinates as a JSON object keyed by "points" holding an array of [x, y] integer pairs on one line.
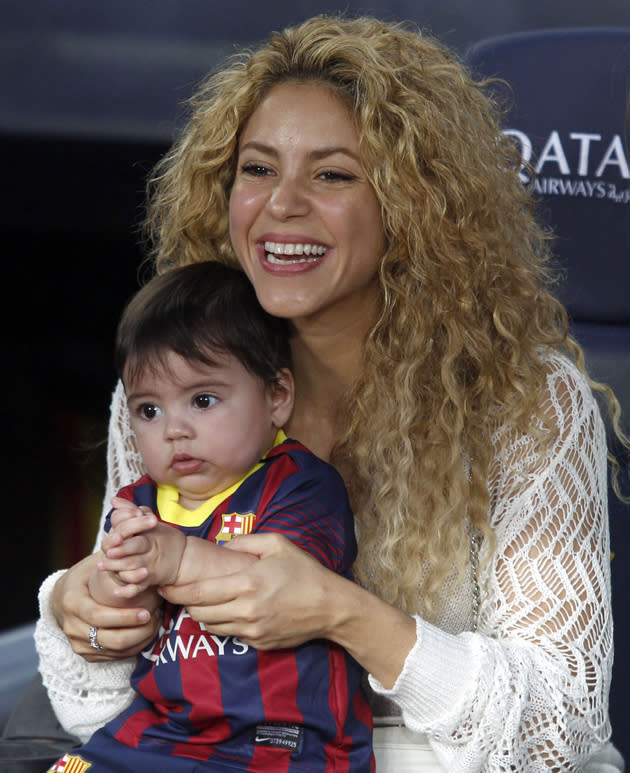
{"points": [[172, 512]]}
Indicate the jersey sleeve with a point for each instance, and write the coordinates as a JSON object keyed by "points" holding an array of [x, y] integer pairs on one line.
{"points": [[311, 508]]}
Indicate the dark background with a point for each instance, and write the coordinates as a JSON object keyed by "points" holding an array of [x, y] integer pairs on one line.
{"points": [[90, 94]]}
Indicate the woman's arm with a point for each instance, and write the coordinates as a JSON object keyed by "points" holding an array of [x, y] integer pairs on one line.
{"points": [[88, 687], [530, 687], [287, 598], [306, 544], [86, 694], [538, 670]]}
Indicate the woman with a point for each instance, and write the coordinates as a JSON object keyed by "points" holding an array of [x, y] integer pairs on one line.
{"points": [[358, 176]]}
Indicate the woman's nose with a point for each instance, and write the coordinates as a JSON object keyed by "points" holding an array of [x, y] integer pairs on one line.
{"points": [[289, 198]]}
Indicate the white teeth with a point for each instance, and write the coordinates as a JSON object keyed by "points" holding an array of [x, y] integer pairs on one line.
{"points": [[284, 248], [284, 262]]}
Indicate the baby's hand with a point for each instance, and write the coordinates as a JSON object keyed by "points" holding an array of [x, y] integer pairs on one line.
{"points": [[126, 548], [140, 550], [127, 521]]}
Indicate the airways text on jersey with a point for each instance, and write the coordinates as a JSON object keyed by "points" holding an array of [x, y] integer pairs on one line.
{"points": [[172, 645]]}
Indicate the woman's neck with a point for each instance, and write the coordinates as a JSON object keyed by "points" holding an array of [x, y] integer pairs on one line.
{"points": [[326, 363]]}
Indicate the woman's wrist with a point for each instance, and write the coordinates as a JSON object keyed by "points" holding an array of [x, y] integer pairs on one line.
{"points": [[50, 606], [376, 634]]}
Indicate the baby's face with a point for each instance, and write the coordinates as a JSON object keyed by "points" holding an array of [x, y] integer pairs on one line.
{"points": [[200, 428]]}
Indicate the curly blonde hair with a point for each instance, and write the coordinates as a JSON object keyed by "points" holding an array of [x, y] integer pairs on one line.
{"points": [[466, 309]]}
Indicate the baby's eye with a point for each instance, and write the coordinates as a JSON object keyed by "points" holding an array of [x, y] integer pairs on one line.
{"points": [[149, 411], [204, 401]]}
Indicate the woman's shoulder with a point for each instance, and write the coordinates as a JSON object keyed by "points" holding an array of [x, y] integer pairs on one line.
{"points": [[560, 366], [568, 417], [566, 395], [569, 396], [564, 439]]}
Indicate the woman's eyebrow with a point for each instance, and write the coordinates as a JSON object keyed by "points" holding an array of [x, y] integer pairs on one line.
{"points": [[315, 155]]}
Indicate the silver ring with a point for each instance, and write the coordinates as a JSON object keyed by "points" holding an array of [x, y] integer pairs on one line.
{"points": [[93, 640]]}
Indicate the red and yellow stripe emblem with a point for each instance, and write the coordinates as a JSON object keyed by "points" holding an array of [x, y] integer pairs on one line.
{"points": [[234, 524], [70, 763]]}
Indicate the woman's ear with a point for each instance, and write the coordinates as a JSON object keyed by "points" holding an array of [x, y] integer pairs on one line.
{"points": [[281, 395]]}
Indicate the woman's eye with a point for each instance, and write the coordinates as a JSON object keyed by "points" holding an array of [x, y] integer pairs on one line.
{"points": [[255, 170], [204, 401], [330, 175], [149, 411]]}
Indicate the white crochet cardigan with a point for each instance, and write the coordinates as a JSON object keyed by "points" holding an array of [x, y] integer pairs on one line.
{"points": [[528, 690]]}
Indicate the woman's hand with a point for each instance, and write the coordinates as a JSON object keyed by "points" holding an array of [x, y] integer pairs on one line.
{"points": [[282, 600], [287, 597], [121, 632]]}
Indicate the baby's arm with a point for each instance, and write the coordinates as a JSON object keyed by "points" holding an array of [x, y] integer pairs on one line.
{"points": [[203, 560], [142, 552]]}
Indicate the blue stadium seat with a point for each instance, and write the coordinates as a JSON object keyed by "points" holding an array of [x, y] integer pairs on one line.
{"points": [[568, 93], [18, 666]]}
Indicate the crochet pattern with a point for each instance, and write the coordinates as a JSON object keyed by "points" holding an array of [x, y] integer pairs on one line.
{"points": [[529, 689]]}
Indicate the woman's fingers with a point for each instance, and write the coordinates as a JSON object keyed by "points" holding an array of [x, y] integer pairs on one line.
{"points": [[262, 545], [102, 616], [258, 604], [117, 643], [209, 592], [122, 632]]}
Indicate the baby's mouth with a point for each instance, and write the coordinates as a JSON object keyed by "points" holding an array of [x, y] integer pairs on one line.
{"points": [[183, 463]]}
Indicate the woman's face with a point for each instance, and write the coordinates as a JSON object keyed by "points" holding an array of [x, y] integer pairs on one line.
{"points": [[305, 222]]}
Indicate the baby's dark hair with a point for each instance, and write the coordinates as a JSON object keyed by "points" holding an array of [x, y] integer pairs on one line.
{"points": [[199, 311]]}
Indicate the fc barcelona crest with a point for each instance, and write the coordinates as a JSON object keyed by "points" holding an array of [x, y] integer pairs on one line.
{"points": [[233, 525], [70, 764]]}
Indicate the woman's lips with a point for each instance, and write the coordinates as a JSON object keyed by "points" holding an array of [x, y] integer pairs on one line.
{"points": [[291, 257], [294, 251]]}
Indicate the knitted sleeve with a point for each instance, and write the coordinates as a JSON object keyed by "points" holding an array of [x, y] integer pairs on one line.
{"points": [[87, 695], [124, 463], [529, 690]]}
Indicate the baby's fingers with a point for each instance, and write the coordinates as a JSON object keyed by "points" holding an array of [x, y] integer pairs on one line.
{"points": [[130, 590], [124, 511], [125, 564], [133, 546], [135, 526], [111, 540]]}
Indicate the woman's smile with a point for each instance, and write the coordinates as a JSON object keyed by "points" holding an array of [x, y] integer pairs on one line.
{"points": [[293, 253], [289, 255], [305, 221]]}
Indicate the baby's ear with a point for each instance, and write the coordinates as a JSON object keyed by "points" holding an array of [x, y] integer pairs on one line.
{"points": [[281, 397]]}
